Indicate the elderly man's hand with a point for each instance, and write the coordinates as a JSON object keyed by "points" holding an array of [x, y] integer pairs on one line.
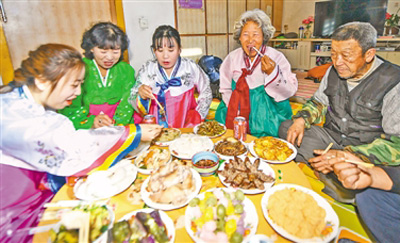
{"points": [[324, 162], [353, 176], [296, 131]]}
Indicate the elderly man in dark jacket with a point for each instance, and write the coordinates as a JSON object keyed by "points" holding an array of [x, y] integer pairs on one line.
{"points": [[358, 99]]}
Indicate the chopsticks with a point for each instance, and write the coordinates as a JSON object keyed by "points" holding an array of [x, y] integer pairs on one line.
{"points": [[367, 165], [327, 149], [158, 103], [259, 53]]}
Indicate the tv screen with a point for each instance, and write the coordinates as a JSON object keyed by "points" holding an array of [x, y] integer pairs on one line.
{"points": [[331, 14]]}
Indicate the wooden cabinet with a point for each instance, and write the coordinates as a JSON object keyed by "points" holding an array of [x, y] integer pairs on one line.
{"points": [[303, 54], [391, 56]]}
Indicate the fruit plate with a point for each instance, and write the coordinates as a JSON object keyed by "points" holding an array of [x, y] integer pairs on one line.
{"points": [[250, 221]]}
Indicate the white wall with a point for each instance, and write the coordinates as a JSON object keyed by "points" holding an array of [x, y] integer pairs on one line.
{"points": [[156, 12]]}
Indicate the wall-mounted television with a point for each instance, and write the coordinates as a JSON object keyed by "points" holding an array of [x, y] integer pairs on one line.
{"points": [[331, 14]]}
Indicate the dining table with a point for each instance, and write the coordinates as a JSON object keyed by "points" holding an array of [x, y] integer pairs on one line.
{"points": [[130, 199]]}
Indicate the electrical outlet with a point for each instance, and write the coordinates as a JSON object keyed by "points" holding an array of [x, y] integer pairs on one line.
{"points": [[143, 23]]}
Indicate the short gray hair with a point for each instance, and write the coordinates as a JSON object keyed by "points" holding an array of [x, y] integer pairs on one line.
{"points": [[258, 16], [364, 33]]}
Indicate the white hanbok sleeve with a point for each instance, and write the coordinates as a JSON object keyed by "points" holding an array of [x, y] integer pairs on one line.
{"points": [[281, 84], [47, 141], [225, 80], [202, 83]]}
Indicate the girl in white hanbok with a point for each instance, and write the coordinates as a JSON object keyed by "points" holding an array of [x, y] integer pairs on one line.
{"points": [[173, 81], [36, 141]]}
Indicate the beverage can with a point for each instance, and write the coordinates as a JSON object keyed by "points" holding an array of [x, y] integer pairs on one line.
{"points": [[149, 119], [240, 128]]}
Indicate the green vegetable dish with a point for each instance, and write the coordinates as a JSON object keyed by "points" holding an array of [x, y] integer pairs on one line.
{"points": [[146, 225]]}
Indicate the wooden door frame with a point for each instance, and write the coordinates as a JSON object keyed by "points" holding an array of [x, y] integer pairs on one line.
{"points": [[6, 66], [117, 17]]}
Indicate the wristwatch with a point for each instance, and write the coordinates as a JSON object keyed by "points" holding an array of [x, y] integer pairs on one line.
{"points": [[302, 113]]}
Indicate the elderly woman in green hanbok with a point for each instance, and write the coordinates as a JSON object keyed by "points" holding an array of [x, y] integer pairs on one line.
{"points": [[108, 80]]}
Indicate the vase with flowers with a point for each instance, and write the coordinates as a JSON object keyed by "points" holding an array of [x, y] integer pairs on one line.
{"points": [[307, 22], [392, 22]]}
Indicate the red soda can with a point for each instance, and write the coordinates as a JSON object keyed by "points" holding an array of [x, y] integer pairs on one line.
{"points": [[149, 119], [240, 128]]}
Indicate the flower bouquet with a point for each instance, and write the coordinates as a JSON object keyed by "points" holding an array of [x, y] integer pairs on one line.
{"points": [[307, 22], [392, 22]]}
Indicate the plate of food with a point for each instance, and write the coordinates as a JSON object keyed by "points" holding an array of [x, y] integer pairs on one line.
{"points": [[140, 148], [106, 183], [211, 129], [273, 150], [249, 175], [84, 223], [171, 186], [223, 210], [147, 225], [229, 147], [299, 214], [166, 136], [151, 159], [189, 144]]}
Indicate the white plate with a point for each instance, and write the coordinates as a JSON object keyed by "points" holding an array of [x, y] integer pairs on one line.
{"points": [[146, 195], [169, 224], [290, 158], [142, 147], [107, 183], [264, 167], [227, 157], [249, 208], [196, 129], [260, 239], [167, 143], [189, 144], [148, 171], [331, 215]]}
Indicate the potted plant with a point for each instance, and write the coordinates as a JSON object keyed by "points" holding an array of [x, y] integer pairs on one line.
{"points": [[392, 22]]}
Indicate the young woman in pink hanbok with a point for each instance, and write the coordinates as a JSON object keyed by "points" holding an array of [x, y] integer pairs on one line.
{"points": [[37, 141], [173, 81]]}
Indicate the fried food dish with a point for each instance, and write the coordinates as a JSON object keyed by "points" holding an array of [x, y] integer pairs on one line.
{"points": [[210, 128], [297, 212], [230, 147], [153, 158], [245, 175], [172, 183], [167, 134], [270, 148]]}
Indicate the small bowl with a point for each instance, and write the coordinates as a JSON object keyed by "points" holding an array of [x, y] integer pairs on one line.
{"points": [[205, 170]]}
